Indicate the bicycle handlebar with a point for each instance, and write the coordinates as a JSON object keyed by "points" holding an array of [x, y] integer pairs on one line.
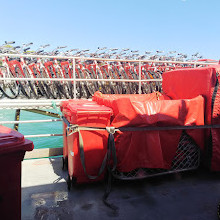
{"points": [[102, 48], [125, 49], [40, 51], [28, 44], [73, 49], [9, 42], [61, 47], [113, 49], [46, 45], [171, 52], [26, 49]]}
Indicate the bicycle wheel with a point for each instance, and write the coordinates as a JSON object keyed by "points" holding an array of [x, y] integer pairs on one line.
{"points": [[10, 89], [1, 93], [65, 90], [51, 88], [90, 85], [84, 90], [115, 85], [108, 85], [31, 84], [41, 88], [25, 88], [159, 76], [121, 85], [145, 87], [157, 85], [150, 86], [101, 84], [93, 76], [69, 84], [63, 87], [129, 87]]}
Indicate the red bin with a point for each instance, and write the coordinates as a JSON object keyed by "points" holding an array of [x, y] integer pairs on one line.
{"points": [[65, 105], [88, 114], [12, 149]]}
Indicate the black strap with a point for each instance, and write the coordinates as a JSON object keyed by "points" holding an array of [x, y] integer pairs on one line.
{"points": [[108, 191], [65, 121], [111, 155], [82, 158], [215, 92], [167, 128], [209, 148], [111, 152]]}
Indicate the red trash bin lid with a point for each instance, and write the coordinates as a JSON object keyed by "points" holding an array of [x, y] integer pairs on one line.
{"points": [[88, 107], [63, 104], [11, 140]]}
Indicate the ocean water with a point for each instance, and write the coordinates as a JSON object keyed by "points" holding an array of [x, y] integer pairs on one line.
{"points": [[36, 128]]}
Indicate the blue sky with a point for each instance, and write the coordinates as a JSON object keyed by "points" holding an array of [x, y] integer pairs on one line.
{"points": [[187, 26]]}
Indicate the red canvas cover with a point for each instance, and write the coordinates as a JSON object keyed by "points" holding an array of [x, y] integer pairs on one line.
{"points": [[189, 83], [153, 149], [107, 99]]}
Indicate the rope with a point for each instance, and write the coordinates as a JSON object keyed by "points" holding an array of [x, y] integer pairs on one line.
{"points": [[56, 109]]}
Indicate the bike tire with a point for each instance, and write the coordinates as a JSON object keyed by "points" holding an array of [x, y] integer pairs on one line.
{"points": [[150, 86], [25, 89], [90, 85], [116, 85], [51, 88], [85, 92], [157, 84], [10, 90], [32, 84], [93, 75], [41, 87]]}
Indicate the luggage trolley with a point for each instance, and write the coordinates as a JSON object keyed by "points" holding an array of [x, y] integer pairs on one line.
{"points": [[187, 158]]}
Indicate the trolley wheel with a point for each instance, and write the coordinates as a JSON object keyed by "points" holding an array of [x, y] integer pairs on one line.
{"points": [[74, 181], [69, 182], [218, 211], [64, 163]]}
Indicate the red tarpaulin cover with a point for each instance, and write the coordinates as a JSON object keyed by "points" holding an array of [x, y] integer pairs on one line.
{"points": [[107, 99], [189, 83], [151, 149]]}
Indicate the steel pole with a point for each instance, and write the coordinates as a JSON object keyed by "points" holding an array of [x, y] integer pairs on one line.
{"points": [[139, 77], [74, 77]]}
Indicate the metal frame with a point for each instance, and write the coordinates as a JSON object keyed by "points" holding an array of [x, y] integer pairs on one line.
{"points": [[187, 158]]}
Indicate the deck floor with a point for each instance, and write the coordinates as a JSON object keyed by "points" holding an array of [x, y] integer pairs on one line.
{"points": [[186, 196]]}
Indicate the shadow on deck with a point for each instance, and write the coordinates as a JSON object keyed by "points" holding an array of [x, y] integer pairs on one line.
{"points": [[192, 195]]}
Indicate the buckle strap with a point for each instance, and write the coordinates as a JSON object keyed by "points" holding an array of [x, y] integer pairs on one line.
{"points": [[111, 151]]}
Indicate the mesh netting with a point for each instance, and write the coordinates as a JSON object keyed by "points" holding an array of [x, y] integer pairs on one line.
{"points": [[187, 158]]}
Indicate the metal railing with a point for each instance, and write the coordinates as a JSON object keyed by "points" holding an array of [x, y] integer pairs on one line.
{"points": [[34, 121], [29, 104], [36, 104], [74, 79]]}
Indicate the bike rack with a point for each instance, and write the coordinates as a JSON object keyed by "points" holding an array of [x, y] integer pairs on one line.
{"points": [[98, 59]]}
